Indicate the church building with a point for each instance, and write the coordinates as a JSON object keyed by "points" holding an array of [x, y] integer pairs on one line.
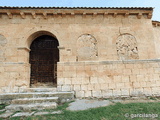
{"points": [[93, 51]]}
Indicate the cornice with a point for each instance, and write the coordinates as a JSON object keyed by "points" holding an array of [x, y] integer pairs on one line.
{"points": [[156, 23], [45, 12]]}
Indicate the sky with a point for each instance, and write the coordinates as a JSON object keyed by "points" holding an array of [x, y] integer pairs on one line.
{"points": [[87, 3]]}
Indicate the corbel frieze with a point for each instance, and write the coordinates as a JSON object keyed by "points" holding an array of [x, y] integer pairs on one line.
{"points": [[72, 13]]}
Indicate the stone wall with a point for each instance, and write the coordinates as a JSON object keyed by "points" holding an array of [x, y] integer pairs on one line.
{"points": [[20, 32], [87, 37], [110, 78], [14, 77], [156, 30]]}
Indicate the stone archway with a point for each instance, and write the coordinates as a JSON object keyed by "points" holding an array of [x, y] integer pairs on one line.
{"points": [[127, 48], [44, 56], [86, 48]]}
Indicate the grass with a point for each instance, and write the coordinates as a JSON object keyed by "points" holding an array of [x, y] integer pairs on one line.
{"points": [[2, 106], [112, 112]]}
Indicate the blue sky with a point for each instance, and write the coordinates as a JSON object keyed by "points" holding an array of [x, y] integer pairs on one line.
{"points": [[87, 3]]}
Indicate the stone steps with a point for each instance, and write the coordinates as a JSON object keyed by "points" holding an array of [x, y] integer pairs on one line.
{"points": [[33, 106], [39, 90], [34, 100], [63, 96]]}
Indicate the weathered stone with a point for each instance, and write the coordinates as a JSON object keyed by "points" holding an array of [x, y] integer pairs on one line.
{"points": [[6, 114], [29, 107], [57, 112], [2, 110], [35, 100], [87, 104], [8, 97], [127, 47], [39, 90], [25, 114], [87, 94], [42, 113], [66, 88], [3, 40], [79, 94], [102, 52], [107, 93], [87, 48], [77, 87], [97, 94]]}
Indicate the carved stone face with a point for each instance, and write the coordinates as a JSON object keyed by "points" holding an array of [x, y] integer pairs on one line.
{"points": [[86, 47], [127, 47]]}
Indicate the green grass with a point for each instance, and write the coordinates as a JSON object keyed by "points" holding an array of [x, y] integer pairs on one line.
{"points": [[2, 106], [112, 112]]}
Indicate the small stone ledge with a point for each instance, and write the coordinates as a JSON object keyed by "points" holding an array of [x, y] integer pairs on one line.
{"points": [[13, 63], [110, 62], [24, 48], [61, 47]]}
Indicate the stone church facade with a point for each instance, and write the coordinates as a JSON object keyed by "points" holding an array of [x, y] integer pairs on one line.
{"points": [[96, 52]]}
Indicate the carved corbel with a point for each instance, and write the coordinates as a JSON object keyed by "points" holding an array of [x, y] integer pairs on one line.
{"points": [[55, 14], [22, 15], [126, 15], [72, 14], [94, 14], [139, 15], [10, 15], [149, 15], [63, 14], [106, 14], [114, 15], [84, 15], [156, 24], [33, 15], [45, 15]]}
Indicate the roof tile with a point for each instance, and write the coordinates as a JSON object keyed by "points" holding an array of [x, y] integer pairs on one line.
{"points": [[30, 7]]}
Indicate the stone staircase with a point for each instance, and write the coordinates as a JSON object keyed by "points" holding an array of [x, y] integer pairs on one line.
{"points": [[35, 99]]}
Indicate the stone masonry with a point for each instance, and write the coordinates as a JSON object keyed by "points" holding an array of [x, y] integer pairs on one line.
{"points": [[103, 52], [110, 78]]}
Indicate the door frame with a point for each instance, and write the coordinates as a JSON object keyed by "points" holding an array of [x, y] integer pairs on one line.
{"points": [[55, 65]]}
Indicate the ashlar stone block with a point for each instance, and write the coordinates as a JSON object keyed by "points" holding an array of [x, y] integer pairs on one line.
{"points": [[66, 88], [80, 94]]}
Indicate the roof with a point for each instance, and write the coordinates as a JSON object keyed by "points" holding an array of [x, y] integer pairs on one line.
{"points": [[16, 7], [156, 23], [125, 11]]}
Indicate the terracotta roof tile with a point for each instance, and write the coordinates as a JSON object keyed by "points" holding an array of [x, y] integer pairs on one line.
{"points": [[8, 7]]}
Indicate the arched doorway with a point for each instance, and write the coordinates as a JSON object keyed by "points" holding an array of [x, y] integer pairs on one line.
{"points": [[44, 56]]}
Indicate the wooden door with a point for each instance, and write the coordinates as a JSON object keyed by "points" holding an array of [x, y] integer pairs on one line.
{"points": [[44, 56]]}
